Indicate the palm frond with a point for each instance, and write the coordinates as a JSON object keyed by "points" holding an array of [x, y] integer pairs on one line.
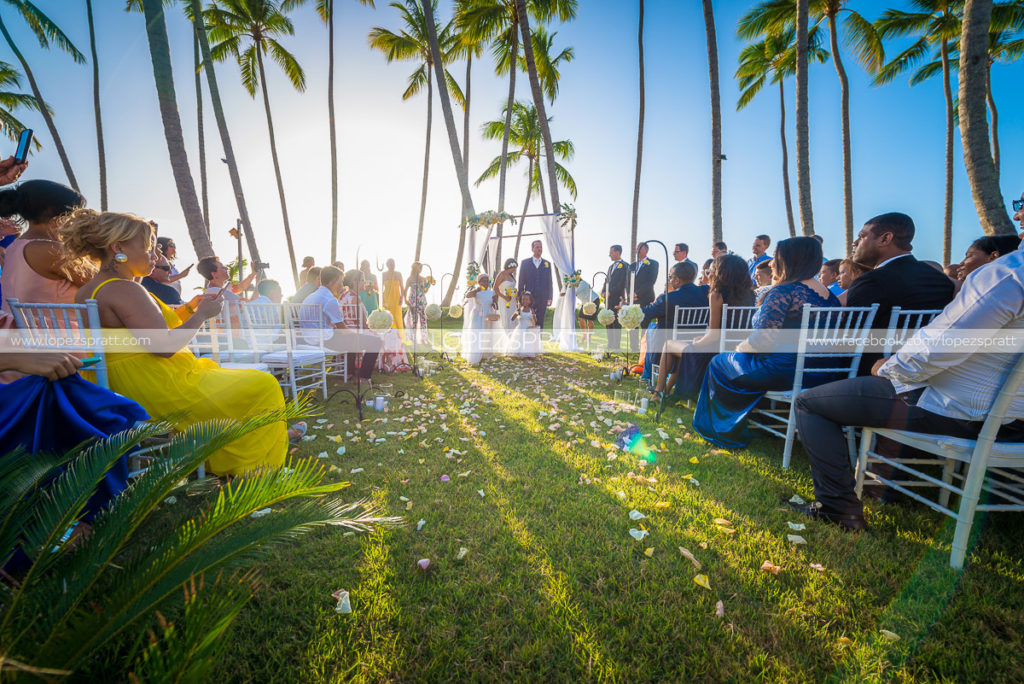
{"points": [[928, 71], [417, 81], [773, 16], [903, 62], [565, 179], [46, 30], [248, 67], [862, 38], [288, 64], [454, 89], [894, 23]]}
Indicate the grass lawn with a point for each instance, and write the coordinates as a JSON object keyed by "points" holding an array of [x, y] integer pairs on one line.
{"points": [[554, 588]]}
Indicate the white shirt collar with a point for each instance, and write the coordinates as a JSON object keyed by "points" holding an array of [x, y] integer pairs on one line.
{"points": [[891, 259], [537, 261]]}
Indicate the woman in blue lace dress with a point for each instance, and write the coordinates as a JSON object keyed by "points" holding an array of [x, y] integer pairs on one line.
{"points": [[737, 381]]}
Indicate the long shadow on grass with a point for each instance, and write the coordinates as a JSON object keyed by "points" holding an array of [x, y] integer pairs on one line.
{"points": [[829, 615]]}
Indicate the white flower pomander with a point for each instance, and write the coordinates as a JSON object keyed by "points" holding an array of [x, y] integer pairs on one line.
{"points": [[380, 320], [606, 317], [631, 316], [589, 309], [455, 311], [432, 312]]}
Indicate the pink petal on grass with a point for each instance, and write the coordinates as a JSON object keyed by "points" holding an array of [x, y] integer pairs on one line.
{"points": [[424, 563], [720, 609]]}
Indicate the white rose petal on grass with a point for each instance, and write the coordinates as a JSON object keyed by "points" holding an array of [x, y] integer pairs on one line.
{"points": [[636, 515], [462, 553], [260, 513], [797, 499], [420, 524], [638, 534], [889, 636], [796, 539], [796, 527]]}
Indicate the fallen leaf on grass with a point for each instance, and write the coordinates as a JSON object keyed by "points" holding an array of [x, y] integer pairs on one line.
{"points": [[770, 567], [689, 556], [702, 580], [661, 505]]}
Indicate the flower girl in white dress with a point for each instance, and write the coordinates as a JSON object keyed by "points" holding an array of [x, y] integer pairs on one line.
{"points": [[476, 342], [527, 334]]}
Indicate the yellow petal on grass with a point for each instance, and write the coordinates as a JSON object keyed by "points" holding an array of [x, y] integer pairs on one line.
{"points": [[727, 530], [702, 580], [649, 551], [723, 521], [844, 642], [661, 505], [768, 566], [694, 460]]}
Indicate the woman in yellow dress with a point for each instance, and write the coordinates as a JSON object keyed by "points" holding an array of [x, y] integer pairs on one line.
{"points": [[393, 298], [152, 364]]}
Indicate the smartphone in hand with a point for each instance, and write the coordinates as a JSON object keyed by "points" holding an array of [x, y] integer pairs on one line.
{"points": [[23, 144]]}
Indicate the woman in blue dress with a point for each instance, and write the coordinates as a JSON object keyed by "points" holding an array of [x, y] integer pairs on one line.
{"points": [[737, 381]]}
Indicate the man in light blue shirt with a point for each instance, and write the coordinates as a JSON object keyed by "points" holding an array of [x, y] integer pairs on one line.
{"points": [[341, 337], [760, 249], [829, 276]]}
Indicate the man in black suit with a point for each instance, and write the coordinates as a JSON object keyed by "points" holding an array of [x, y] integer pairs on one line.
{"points": [[616, 289], [898, 279], [682, 293], [645, 275]]}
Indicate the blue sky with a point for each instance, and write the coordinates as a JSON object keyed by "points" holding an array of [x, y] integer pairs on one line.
{"points": [[897, 135]]}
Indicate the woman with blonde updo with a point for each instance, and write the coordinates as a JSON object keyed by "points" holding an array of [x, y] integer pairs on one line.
{"points": [[152, 364]]}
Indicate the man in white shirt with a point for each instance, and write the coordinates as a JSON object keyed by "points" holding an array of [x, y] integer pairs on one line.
{"points": [[929, 386], [341, 338]]}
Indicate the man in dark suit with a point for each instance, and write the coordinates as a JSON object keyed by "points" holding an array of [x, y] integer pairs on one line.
{"points": [[616, 288], [535, 278], [898, 279], [682, 293], [645, 275]]}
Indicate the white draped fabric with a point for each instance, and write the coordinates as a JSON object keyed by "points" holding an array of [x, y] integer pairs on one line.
{"points": [[558, 239]]}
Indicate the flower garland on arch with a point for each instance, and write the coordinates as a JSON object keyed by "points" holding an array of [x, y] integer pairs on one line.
{"points": [[472, 271], [573, 280], [489, 218]]}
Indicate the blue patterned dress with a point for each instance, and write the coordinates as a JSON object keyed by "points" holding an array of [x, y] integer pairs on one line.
{"points": [[735, 382]]}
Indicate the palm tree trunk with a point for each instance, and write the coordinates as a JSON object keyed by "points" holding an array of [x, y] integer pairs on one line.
{"points": [[844, 88], [526, 207], [222, 128], [277, 169], [96, 107], [203, 184], [995, 117], [639, 137], [538, 101], [463, 228], [333, 132], [160, 55], [509, 105], [803, 153], [974, 136], [947, 218], [426, 162], [57, 143], [716, 124], [446, 109], [540, 186], [785, 161]]}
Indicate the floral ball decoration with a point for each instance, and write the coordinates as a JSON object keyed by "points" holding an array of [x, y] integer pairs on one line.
{"points": [[380, 320], [455, 311], [606, 317], [631, 316], [589, 309], [432, 312]]}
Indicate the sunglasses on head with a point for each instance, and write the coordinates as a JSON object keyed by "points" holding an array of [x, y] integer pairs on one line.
{"points": [[1018, 204]]}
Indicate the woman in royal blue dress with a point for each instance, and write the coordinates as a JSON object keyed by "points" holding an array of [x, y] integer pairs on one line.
{"points": [[737, 381]]}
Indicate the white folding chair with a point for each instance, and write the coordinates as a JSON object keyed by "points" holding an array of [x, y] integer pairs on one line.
{"points": [[737, 324], [903, 323], [288, 338], [73, 328], [834, 333], [688, 324], [980, 457]]}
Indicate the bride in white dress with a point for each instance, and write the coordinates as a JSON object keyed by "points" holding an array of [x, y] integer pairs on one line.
{"points": [[504, 329], [476, 342]]}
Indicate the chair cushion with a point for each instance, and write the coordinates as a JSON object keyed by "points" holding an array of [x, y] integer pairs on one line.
{"points": [[299, 357]]}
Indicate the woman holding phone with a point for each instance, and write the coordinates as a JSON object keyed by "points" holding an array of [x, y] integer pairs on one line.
{"points": [[148, 358]]}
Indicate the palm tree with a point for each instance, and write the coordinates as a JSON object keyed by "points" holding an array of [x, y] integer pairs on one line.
{"points": [[10, 101], [1002, 47], [639, 136], [774, 59], [803, 148], [249, 31], [45, 30], [96, 106], [325, 9], [538, 99], [716, 123], [936, 24], [437, 59], [469, 48], [525, 136], [160, 55], [197, 65], [193, 10], [774, 16], [413, 43], [974, 136]]}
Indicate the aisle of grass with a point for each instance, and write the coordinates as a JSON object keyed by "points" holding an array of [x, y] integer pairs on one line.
{"points": [[553, 587]]}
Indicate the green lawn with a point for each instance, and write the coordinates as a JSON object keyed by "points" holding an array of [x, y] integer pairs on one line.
{"points": [[554, 588]]}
